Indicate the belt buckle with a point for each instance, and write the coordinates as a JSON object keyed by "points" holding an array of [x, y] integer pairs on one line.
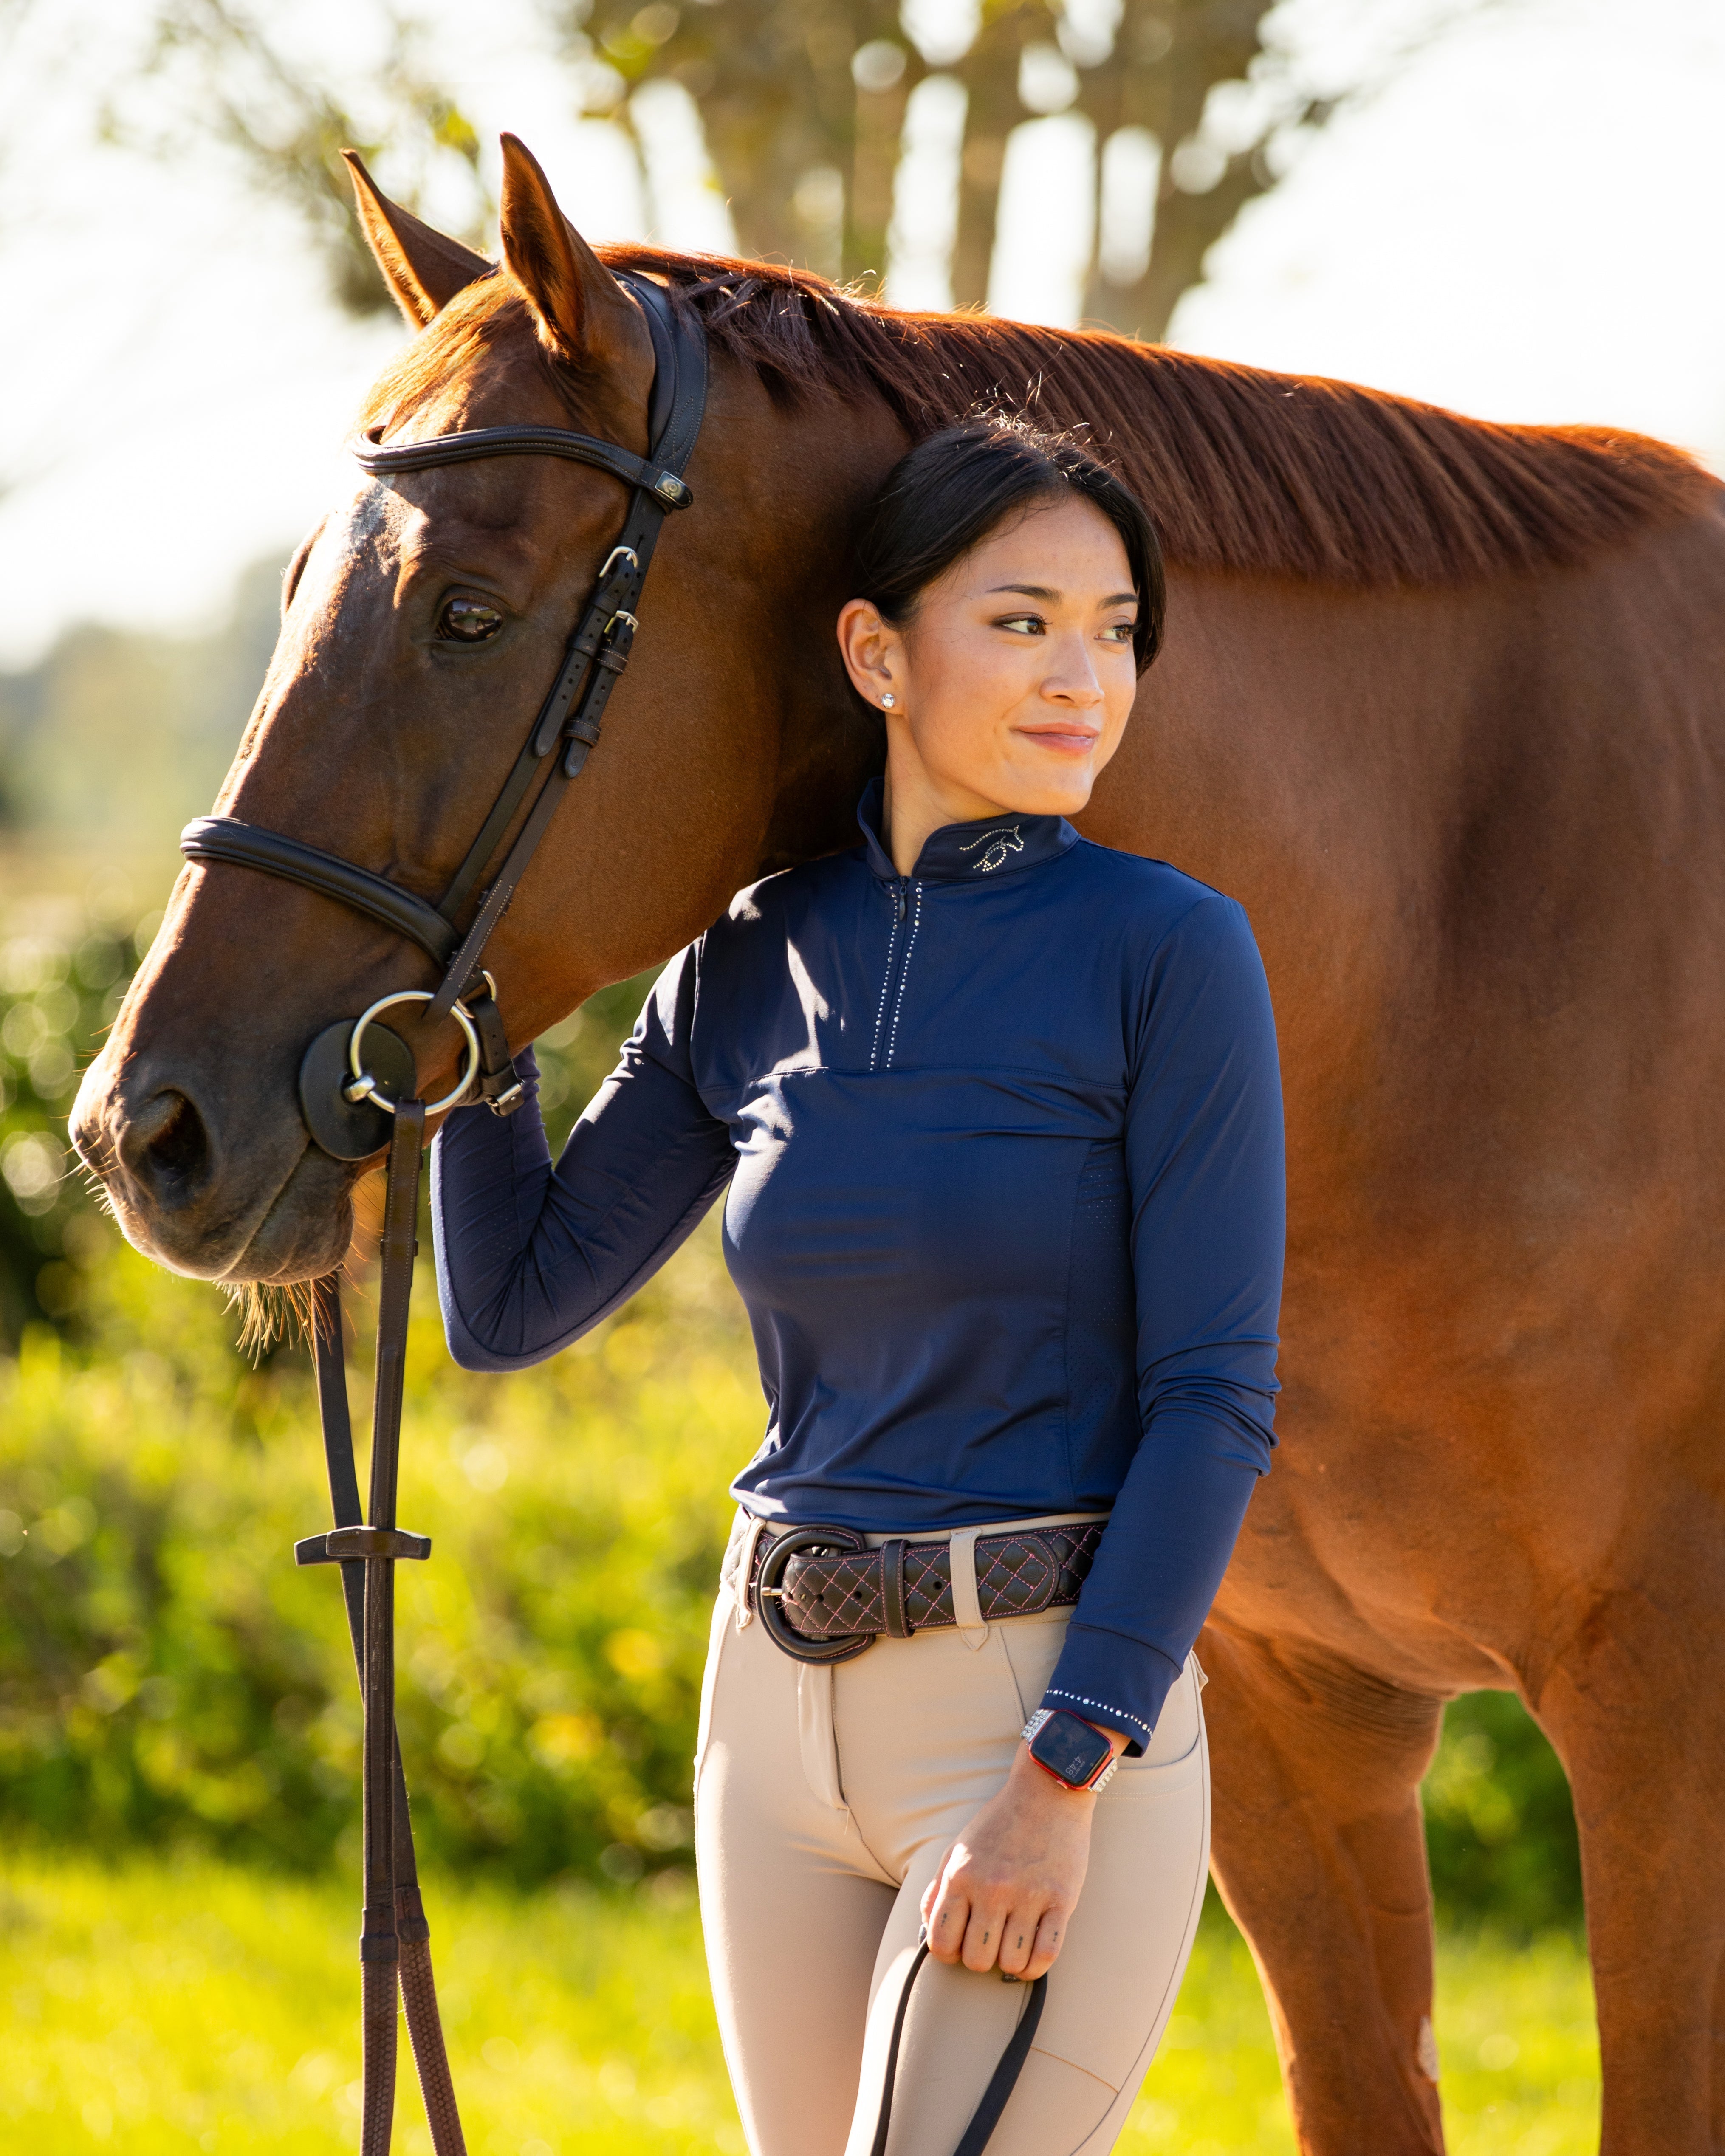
{"points": [[769, 1594]]}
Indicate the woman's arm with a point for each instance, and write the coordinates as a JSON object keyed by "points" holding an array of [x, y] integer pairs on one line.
{"points": [[530, 1255], [1204, 1144], [1204, 1167]]}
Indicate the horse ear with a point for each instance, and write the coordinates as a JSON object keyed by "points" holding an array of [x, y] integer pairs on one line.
{"points": [[422, 269], [581, 312]]}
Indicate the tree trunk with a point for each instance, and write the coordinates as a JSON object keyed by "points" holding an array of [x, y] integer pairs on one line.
{"points": [[868, 205], [1168, 55], [989, 72]]}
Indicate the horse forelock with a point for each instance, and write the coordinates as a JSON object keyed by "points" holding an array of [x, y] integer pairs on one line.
{"points": [[485, 333]]}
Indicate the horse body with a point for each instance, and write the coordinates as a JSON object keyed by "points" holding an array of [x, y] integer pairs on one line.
{"points": [[1477, 833], [1475, 819]]}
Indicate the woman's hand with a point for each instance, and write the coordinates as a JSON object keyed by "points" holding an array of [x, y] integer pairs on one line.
{"points": [[1008, 1885]]}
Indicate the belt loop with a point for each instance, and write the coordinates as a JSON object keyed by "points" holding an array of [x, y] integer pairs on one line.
{"points": [[745, 1572], [892, 1588], [967, 1607]]}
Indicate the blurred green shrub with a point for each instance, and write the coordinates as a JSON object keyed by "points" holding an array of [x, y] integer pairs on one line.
{"points": [[167, 1676], [1499, 1823], [64, 965]]}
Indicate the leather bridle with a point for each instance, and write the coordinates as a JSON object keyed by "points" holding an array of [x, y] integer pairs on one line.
{"points": [[564, 732]]}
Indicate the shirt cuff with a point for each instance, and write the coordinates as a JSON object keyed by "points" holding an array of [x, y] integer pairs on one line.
{"points": [[1107, 1678]]}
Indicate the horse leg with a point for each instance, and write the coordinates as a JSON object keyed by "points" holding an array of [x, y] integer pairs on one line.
{"points": [[1319, 1850], [1633, 1707]]}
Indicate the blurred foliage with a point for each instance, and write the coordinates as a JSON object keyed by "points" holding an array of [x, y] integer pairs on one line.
{"points": [[236, 76], [116, 736], [168, 1677], [1499, 1823], [803, 103], [64, 968]]}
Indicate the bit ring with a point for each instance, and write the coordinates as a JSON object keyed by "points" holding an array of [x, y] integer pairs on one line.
{"points": [[364, 1087]]}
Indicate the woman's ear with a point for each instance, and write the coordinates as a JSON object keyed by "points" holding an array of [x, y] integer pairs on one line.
{"points": [[873, 655]]}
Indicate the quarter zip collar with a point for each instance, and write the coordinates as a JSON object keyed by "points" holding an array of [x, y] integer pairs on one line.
{"points": [[966, 852]]}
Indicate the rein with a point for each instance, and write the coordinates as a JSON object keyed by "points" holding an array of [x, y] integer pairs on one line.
{"points": [[354, 1098]]}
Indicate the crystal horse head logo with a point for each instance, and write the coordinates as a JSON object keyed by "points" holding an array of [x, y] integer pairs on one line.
{"points": [[999, 844]]}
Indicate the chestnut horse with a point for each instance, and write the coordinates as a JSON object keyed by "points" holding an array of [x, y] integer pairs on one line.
{"points": [[1443, 704]]}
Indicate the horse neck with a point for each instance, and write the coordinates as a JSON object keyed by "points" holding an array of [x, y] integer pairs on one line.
{"points": [[800, 475]]}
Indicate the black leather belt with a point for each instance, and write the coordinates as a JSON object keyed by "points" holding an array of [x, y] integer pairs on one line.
{"points": [[824, 1595]]}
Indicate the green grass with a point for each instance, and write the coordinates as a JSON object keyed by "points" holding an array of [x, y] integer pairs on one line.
{"points": [[1515, 2024], [153, 2008]]}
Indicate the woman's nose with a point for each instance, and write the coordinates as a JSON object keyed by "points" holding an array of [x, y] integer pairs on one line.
{"points": [[1074, 681]]}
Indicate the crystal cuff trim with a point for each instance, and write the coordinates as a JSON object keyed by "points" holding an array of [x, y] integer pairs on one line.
{"points": [[1101, 1706]]}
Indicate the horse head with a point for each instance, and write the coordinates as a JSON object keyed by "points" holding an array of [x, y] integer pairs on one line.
{"points": [[423, 622]]}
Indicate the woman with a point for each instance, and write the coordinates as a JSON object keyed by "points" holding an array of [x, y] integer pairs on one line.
{"points": [[998, 1114]]}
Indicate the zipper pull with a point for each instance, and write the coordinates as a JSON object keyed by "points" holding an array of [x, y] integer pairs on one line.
{"points": [[904, 902]]}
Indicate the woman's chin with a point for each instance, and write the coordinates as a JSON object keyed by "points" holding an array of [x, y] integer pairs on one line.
{"points": [[1048, 787]]}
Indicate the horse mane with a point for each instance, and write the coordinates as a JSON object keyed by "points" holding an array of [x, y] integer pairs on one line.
{"points": [[1281, 475], [1276, 474]]}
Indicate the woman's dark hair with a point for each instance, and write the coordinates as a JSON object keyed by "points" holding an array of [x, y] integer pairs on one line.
{"points": [[947, 495]]}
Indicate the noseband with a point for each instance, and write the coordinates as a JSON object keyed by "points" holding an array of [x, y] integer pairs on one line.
{"points": [[344, 1105]]}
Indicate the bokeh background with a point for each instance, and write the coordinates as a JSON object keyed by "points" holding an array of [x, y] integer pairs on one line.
{"points": [[1508, 206]]}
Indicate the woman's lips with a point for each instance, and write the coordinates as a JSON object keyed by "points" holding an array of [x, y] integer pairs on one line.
{"points": [[1067, 741]]}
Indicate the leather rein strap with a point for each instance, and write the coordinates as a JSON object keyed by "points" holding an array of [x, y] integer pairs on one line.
{"points": [[1002, 2082], [395, 1953], [395, 1939]]}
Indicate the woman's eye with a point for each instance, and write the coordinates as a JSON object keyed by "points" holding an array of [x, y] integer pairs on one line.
{"points": [[1031, 622], [468, 621], [1121, 632]]}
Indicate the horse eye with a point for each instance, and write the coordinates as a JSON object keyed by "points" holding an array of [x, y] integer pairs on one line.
{"points": [[468, 621]]}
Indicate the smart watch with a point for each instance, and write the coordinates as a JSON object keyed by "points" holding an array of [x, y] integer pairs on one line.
{"points": [[1076, 1754]]}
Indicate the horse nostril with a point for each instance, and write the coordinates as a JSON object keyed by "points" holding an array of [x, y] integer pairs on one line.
{"points": [[165, 1144]]}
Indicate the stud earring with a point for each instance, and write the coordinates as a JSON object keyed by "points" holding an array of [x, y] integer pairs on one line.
{"points": [[886, 701]]}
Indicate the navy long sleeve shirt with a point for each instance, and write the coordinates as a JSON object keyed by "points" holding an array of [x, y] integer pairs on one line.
{"points": [[1004, 1148]]}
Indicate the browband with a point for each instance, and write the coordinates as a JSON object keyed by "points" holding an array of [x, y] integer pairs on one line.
{"points": [[384, 458]]}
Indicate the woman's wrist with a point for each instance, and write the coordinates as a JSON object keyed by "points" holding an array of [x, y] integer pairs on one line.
{"points": [[1028, 1770]]}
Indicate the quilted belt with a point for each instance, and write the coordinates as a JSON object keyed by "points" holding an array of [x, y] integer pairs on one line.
{"points": [[824, 1595]]}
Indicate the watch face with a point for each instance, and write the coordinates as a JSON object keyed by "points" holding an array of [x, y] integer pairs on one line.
{"points": [[1070, 1748]]}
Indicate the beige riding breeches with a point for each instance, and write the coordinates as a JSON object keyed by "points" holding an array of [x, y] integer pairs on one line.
{"points": [[825, 1799]]}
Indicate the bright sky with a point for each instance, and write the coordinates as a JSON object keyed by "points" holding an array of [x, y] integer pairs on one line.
{"points": [[1524, 223]]}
